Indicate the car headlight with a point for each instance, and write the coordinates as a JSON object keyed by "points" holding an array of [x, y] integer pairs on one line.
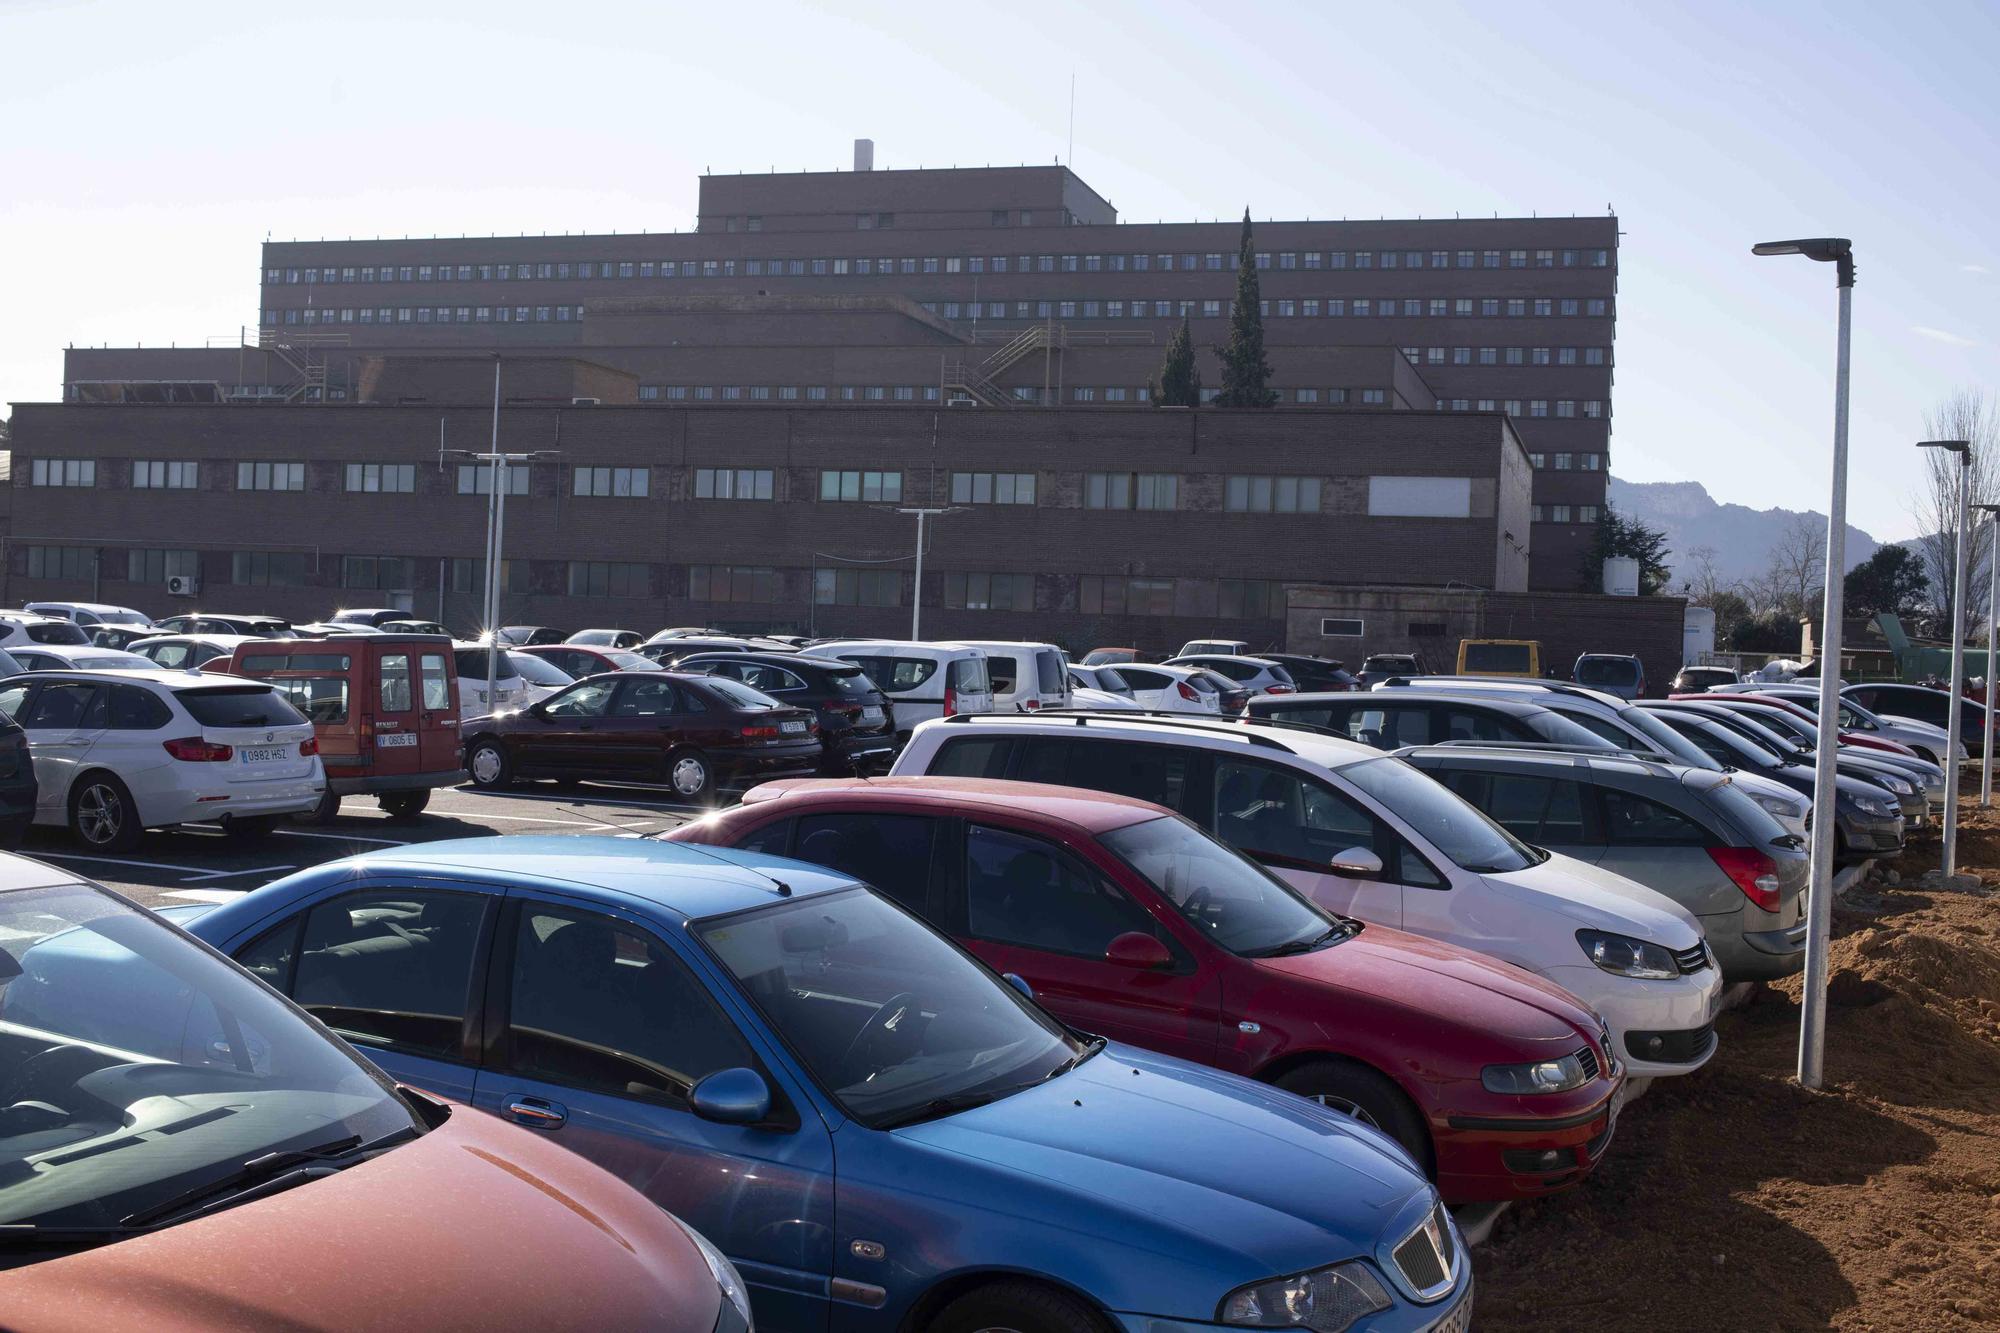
{"points": [[1627, 957], [1900, 786], [1878, 806], [1325, 1300], [735, 1296], [1542, 1076], [1779, 807]]}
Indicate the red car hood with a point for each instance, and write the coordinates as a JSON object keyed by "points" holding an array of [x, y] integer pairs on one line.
{"points": [[1444, 979], [478, 1225]]}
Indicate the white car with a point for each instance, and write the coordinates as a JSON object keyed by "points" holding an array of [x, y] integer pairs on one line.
{"points": [[1167, 689], [30, 627], [91, 614], [1368, 836], [923, 680], [187, 652], [1084, 693], [119, 752], [520, 680], [85, 658], [1024, 676]]}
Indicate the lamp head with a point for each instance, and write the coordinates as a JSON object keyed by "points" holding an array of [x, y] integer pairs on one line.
{"points": [[1825, 249], [1963, 448]]}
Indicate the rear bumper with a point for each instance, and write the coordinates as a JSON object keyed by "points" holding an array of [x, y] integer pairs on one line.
{"points": [[1755, 955], [846, 755], [204, 805], [734, 768], [350, 784]]}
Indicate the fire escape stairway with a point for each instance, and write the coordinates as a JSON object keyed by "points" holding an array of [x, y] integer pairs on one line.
{"points": [[978, 381]]}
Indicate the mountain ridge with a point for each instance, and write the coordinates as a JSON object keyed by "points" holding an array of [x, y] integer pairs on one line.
{"points": [[1740, 536]]}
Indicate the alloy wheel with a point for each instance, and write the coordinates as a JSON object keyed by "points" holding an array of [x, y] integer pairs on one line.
{"points": [[1352, 1110], [100, 814]]}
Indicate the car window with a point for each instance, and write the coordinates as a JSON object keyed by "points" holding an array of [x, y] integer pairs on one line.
{"points": [[968, 675], [396, 691], [436, 679], [1050, 667], [1453, 828], [31, 661], [741, 695], [774, 839], [759, 676], [1276, 814], [12, 698], [1537, 810], [973, 757], [1607, 671], [589, 699], [1022, 890], [1140, 679], [1603, 727], [645, 698], [172, 656], [1632, 820], [391, 968], [57, 631], [59, 707], [1467, 724], [134, 708], [1146, 772], [239, 706], [1000, 673], [896, 675], [603, 1005], [537, 670], [1236, 671], [323, 699], [889, 852]]}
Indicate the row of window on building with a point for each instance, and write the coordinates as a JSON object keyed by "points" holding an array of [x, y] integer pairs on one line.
{"points": [[929, 393], [444, 314], [1563, 513], [1212, 261]]}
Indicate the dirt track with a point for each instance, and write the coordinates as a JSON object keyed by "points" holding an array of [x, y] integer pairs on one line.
{"points": [[1734, 1199]]}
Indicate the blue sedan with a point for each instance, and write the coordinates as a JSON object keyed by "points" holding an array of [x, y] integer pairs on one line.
{"points": [[880, 1133]]}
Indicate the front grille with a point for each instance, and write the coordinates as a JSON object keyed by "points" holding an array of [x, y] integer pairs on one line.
{"points": [[1693, 960], [1671, 1047], [1588, 1059], [1426, 1255]]}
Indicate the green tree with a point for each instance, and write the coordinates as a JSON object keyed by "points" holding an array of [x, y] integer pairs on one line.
{"points": [[1618, 535], [1893, 579], [1180, 377], [1245, 373]]}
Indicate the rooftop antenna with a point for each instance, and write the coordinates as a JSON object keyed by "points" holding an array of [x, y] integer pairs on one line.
{"points": [[1069, 150]]}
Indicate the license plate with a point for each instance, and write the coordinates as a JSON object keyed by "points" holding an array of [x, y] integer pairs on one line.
{"points": [[266, 754], [393, 739], [1617, 1105], [792, 728], [871, 714]]}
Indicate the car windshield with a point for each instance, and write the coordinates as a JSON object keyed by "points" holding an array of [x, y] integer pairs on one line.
{"points": [[1607, 671], [471, 664], [736, 692], [117, 661], [240, 706], [1684, 751], [1208, 682], [57, 632], [1461, 833], [893, 1020], [538, 672], [1225, 895], [141, 1066], [1049, 665], [850, 682], [624, 661]]}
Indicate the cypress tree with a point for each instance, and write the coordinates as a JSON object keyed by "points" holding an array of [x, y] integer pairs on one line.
{"points": [[1245, 372], [1180, 378]]}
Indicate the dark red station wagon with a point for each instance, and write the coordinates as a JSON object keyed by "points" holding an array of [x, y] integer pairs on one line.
{"points": [[1130, 923]]}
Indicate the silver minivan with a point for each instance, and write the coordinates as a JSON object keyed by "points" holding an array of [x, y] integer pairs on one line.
{"points": [[1026, 677], [922, 680]]}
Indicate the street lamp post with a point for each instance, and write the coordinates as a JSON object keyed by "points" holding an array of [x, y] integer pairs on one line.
{"points": [[1963, 449], [1838, 251], [1992, 513], [917, 592]]}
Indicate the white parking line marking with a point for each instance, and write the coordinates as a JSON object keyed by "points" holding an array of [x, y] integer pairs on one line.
{"points": [[206, 895], [585, 800], [343, 837], [580, 823], [232, 874], [188, 874]]}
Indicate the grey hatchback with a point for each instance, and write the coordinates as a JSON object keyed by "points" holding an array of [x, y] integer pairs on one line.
{"points": [[1684, 832]]}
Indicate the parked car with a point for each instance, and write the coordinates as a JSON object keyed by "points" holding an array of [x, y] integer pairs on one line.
{"points": [[666, 650], [1381, 666], [540, 677], [375, 617], [413, 627], [521, 636], [1622, 674], [1114, 656], [607, 638], [1215, 648], [1500, 657], [1024, 676], [577, 661], [119, 636], [694, 735], [1321, 675], [857, 723], [1365, 835], [119, 752], [1684, 832], [1692, 679], [72, 657], [1922, 739], [1129, 922], [1924, 704], [712, 1023], [91, 614], [384, 710], [1794, 712], [1392, 719], [510, 689], [188, 652], [922, 680], [198, 1096], [1867, 816], [1159, 688], [226, 623], [1255, 674], [1794, 722], [325, 629], [21, 627], [18, 788]]}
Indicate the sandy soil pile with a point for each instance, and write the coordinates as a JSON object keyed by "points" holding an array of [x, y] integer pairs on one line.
{"points": [[1734, 1199]]}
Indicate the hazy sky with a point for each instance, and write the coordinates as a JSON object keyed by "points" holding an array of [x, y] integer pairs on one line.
{"points": [[147, 148]]}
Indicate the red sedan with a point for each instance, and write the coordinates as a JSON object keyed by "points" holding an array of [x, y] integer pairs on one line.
{"points": [[1130, 923]]}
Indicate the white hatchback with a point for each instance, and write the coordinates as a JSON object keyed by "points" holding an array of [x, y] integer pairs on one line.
{"points": [[1168, 689], [1368, 836], [119, 752]]}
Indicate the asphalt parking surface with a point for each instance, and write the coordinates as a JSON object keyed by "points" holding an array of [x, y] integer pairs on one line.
{"points": [[200, 863]]}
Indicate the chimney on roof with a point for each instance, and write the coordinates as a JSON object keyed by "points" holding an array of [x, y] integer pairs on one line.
{"points": [[864, 155]]}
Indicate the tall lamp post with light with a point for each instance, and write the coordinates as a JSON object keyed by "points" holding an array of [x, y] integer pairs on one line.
{"points": [[917, 592], [1992, 513], [1963, 448], [1839, 251]]}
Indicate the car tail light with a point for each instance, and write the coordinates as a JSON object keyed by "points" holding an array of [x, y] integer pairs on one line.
{"points": [[760, 733], [195, 750], [1030, 705], [308, 747], [1278, 689], [1187, 692], [950, 701], [367, 731], [1751, 871]]}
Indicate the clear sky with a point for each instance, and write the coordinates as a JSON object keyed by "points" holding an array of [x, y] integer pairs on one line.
{"points": [[147, 148]]}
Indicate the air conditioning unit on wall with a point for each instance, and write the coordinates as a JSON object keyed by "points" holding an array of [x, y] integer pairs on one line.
{"points": [[183, 585]]}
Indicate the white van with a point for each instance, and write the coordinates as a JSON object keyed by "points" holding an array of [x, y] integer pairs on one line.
{"points": [[1026, 677], [91, 614], [923, 680]]}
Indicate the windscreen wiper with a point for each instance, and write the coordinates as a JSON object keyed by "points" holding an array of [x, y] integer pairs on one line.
{"points": [[1091, 1047], [1291, 947], [302, 1163], [938, 1107]]}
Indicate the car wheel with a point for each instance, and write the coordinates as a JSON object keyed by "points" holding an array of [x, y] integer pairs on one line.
{"points": [[323, 813], [690, 776], [249, 828], [405, 804], [1016, 1307], [1362, 1094], [102, 815], [489, 765]]}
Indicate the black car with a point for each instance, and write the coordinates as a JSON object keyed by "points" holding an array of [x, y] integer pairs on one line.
{"points": [[1381, 666], [1320, 675], [520, 636], [1921, 703], [857, 724], [695, 735], [668, 652], [120, 636], [17, 784], [224, 622]]}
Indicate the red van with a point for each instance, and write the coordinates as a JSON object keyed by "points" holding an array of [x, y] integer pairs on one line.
{"points": [[384, 706]]}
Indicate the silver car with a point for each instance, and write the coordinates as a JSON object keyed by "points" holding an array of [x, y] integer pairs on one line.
{"points": [[1687, 833], [1928, 741], [1254, 674]]}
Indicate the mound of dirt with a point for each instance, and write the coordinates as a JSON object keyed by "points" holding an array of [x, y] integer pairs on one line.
{"points": [[1735, 1199]]}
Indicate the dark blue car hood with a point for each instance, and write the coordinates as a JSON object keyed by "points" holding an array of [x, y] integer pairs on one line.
{"points": [[1169, 1156]]}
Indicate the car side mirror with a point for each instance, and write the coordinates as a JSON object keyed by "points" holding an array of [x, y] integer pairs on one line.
{"points": [[1136, 949], [1019, 983], [1358, 862], [731, 1097]]}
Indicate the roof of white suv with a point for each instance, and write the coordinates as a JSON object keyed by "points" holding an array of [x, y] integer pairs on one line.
{"points": [[1326, 751]]}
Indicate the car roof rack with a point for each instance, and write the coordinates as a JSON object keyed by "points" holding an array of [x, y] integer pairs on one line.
{"points": [[1084, 717], [1548, 747]]}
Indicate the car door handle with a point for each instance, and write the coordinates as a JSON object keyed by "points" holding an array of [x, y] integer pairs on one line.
{"points": [[536, 1113]]}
